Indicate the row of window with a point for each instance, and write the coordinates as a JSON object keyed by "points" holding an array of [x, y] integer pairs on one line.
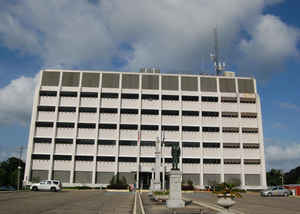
{"points": [[147, 143], [148, 96], [142, 159], [146, 127], [147, 111]]}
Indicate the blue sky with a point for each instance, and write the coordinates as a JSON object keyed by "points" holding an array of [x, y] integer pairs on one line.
{"points": [[258, 38]]}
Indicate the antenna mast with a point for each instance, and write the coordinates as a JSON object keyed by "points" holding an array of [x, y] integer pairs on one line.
{"points": [[219, 66]]}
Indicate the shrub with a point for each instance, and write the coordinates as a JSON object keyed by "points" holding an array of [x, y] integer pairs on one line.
{"points": [[116, 183]]}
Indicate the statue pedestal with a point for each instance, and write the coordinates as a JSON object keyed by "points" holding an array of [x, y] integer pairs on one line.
{"points": [[175, 196]]}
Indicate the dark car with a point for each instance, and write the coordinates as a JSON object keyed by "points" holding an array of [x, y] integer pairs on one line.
{"points": [[7, 188]]}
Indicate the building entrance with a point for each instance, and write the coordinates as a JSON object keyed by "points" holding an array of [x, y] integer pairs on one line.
{"points": [[145, 180]]}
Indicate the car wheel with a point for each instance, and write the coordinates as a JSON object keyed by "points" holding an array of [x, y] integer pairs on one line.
{"points": [[285, 194], [269, 194], [34, 189], [53, 189]]}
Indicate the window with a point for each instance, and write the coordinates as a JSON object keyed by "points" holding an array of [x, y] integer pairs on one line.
{"points": [[127, 159], [106, 158], [46, 108], [130, 81], [65, 125], [109, 110], [150, 81], [210, 129], [62, 157], [130, 96], [84, 158], [209, 99], [107, 142], [169, 82], [110, 95], [232, 161], [150, 96], [248, 115], [208, 84], [147, 160], [149, 127], [170, 128], [63, 140], [50, 78], [107, 126], [85, 141], [252, 161], [70, 79], [210, 114], [190, 98], [66, 109], [190, 113], [211, 145], [90, 80], [86, 125], [89, 94], [191, 160], [250, 130], [127, 143], [171, 143], [229, 99], [251, 146], [246, 85], [230, 130], [191, 144], [170, 112], [227, 85], [42, 140], [48, 93], [44, 124], [168, 160], [247, 100], [230, 114], [129, 126], [189, 83], [129, 111], [150, 112], [40, 157], [211, 161], [110, 80], [231, 145], [190, 128], [148, 143], [68, 94], [170, 97], [87, 109]]}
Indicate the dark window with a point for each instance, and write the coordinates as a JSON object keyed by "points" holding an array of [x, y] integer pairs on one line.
{"points": [[150, 96], [64, 140], [147, 143], [211, 161], [107, 126], [232, 161], [190, 128], [44, 124], [89, 94], [40, 157], [62, 157], [231, 145], [190, 98], [106, 158], [230, 129], [191, 144], [130, 96], [252, 161], [86, 125], [127, 159], [170, 97], [85, 141], [84, 158], [150, 111], [230, 114], [168, 160], [48, 93], [149, 127], [251, 146], [191, 160], [170, 112], [42, 140], [248, 100], [66, 109], [127, 143], [46, 108], [190, 113], [129, 111], [248, 115], [210, 129], [170, 128], [87, 109], [250, 130], [109, 95], [129, 126], [210, 114], [171, 143], [109, 110], [147, 160], [229, 99], [107, 142], [211, 145], [209, 99], [65, 125], [68, 94]]}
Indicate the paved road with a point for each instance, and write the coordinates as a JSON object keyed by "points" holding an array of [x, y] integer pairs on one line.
{"points": [[252, 203], [67, 202]]}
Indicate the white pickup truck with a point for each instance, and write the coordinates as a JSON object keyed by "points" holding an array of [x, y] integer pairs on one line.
{"points": [[47, 185]]}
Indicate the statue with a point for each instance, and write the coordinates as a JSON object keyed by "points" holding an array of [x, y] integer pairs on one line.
{"points": [[175, 156]]}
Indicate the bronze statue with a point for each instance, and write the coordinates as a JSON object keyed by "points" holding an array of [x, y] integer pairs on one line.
{"points": [[175, 156]]}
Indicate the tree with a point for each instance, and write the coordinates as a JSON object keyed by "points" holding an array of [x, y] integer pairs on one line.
{"points": [[274, 177], [293, 176], [9, 171]]}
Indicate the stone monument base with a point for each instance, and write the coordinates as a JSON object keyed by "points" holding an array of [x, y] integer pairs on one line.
{"points": [[175, 196]]}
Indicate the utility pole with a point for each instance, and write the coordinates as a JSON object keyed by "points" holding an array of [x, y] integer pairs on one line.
{"points": [[20, 149]]}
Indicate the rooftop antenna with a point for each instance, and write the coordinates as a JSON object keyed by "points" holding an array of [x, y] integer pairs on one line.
{"points": [[219, 66]]}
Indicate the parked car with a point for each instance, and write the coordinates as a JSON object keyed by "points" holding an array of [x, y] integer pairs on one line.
{"points": [[276, 191], [48, 185], [7, 188]]}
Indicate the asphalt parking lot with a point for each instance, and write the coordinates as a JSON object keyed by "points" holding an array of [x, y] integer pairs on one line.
{"points": [[87, 202], [253, 203]]}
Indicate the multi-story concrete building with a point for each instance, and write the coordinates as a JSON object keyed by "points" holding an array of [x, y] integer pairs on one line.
{"points": [[90, 125]]}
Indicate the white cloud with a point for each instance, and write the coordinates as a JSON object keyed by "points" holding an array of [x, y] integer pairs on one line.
{"points": [[16, 100], [290, 106]]}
